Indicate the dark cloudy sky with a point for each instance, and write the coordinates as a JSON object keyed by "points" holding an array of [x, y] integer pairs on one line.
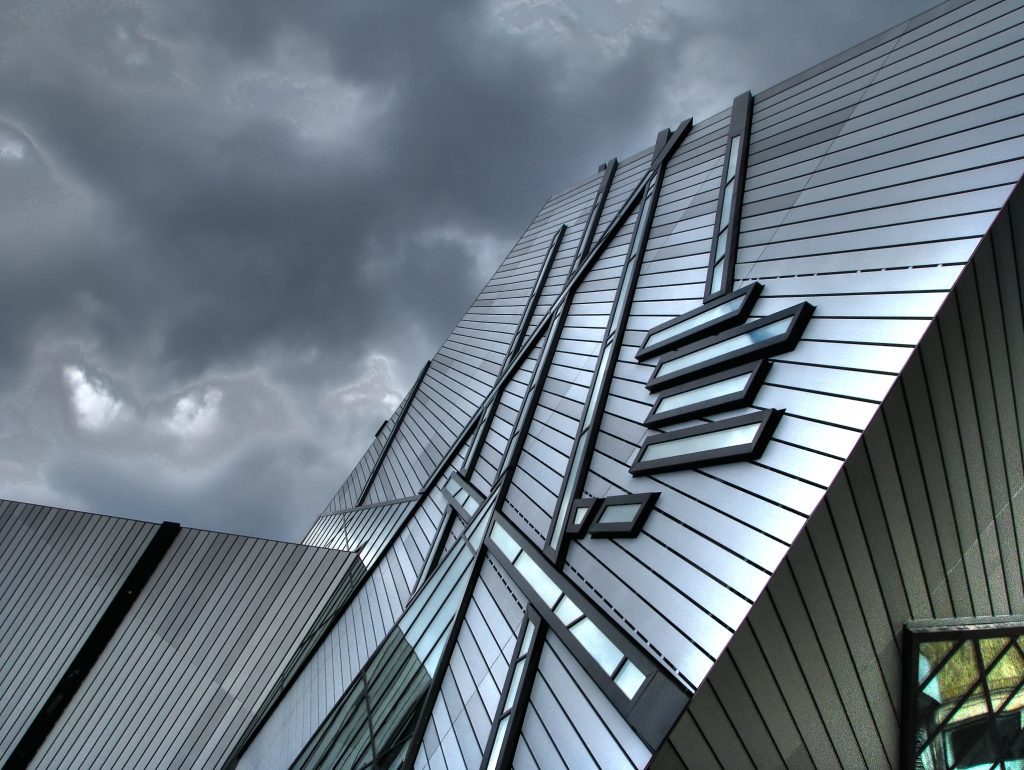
{"points": [[232, 232]]}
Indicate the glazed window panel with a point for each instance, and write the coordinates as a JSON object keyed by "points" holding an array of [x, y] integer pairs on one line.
{"points": [[965, 697]]}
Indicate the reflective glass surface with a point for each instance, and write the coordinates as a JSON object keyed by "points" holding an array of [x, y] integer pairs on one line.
{"points": [[703, 442], [567, 611], [730, 387], [629, 678], [505, 543], [594, 641], [619, 514], [499, 741], [969, 708], [538, 579], [726, 346], [711, 314]]}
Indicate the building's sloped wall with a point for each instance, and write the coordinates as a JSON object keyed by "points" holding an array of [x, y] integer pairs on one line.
{"points": [[460, 720], [839, 210], [570, 723], [366, 621], [59, 571], [352, 488], [501, 427], [538, 477], [926, 520], [195, 655], [465, 368]]}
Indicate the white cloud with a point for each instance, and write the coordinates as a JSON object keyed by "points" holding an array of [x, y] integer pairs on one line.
{"points": [[11, 149], [95, 407], [194, 416], [373, 392]]}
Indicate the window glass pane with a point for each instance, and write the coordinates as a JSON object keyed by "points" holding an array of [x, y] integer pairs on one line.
{"points": [[531, 631], [619, 514], [538, 579], [453, 486], [567, 611], [719, 272], [734, 156], [499, 742], [597, 644], [629, 679], [513, 687], [726, 346], [727, 194], [719, 439], [712, 314], [505, 543], [968, 708], [730, 387], [581, 513]]}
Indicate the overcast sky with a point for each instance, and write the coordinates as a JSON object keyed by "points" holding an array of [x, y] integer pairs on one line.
{"points": [[231, 232]]}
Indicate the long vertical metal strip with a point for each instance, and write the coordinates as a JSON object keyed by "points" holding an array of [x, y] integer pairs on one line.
{"points": [[93, 646], [593, 410], [487, 417]]}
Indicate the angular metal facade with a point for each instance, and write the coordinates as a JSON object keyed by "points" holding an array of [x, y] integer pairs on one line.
{"points": [[731, 413]]}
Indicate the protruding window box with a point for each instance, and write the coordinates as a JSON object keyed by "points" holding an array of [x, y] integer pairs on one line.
{"points": [[707, 319], [582, 512], [765, 337], [622, 516], [736, 438], [730, 389]]}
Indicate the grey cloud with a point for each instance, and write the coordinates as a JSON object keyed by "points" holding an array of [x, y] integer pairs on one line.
{"points": [[270, 198]]}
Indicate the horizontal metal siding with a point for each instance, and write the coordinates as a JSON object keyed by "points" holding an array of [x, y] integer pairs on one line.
{"points": [[926, 521]]}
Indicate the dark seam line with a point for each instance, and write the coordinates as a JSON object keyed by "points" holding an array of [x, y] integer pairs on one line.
{"points": [[106, 626]]}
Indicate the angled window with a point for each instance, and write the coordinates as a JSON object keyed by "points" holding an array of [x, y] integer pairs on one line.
{"points": [[730, 199], [564, 612], [736, 438], [730, 389], [709, 318], [767, 336], [623, 515], [515, 694], [963, 694], [582, 511], [463, 496], [642, 693]]}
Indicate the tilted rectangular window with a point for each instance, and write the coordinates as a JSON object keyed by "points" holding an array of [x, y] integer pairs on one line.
{"points": [[735, 438], [765, 337]]}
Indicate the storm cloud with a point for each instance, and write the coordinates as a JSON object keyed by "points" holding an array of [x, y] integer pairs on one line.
{"points": [[232, 232]]}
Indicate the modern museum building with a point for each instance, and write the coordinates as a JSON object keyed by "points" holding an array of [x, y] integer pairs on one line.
{"points": [[722, 468]]}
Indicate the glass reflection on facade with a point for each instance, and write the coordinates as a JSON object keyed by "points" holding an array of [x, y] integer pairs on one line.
{"points": [[967, 702]]}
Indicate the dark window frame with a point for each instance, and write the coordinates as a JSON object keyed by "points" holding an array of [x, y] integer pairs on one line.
{"points": [[799, 315], [631, 528], [955, 629], [767, 418], [516, 711], [750, 293], [758, 371], [657, 704], [739, 125], [573, 529]]}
